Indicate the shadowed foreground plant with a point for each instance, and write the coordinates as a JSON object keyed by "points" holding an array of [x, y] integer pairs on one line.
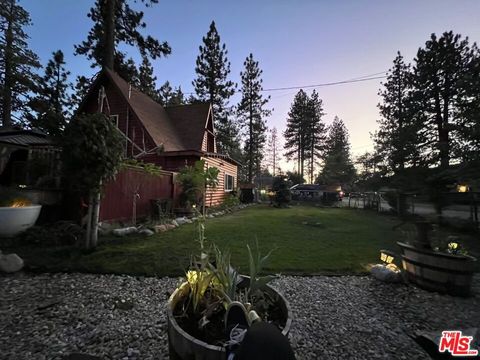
{"points": [[256, 263]]}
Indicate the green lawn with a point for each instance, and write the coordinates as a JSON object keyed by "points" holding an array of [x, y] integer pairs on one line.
{"points": [[307, 240]]}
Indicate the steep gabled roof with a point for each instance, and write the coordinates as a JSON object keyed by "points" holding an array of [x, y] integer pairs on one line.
{"points": [[187, 120], [151, 114]]}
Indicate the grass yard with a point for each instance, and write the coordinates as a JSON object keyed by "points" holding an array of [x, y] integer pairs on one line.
{"points": [[307, 240]]}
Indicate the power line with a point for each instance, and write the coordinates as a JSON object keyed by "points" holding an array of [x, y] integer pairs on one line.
{"points": [[325, 84], [354, 80]]}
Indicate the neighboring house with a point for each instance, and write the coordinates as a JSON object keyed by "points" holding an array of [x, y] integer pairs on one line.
{"points": [[170, 137], [28, 158], [315, 191]]}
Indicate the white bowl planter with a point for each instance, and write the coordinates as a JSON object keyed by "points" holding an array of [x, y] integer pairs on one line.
{"points": [[14, 220]]}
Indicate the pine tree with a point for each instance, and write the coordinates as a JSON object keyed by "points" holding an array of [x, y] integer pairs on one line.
{"points": [[53, 104], [116, 22], [440, 73], [273, 155], [469, 112], [146, 79], [168, 96], [251, 111], [295, 133], [211, 85], [315, 133], [17, 62], [81, 87], [338, 167], [399, 138], [178, 97]]}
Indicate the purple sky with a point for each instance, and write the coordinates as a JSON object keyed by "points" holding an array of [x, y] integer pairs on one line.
{"points": [[296, 42]]}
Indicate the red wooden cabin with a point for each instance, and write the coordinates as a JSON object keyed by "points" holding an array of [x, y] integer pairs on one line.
{"points": [[169, 137]]}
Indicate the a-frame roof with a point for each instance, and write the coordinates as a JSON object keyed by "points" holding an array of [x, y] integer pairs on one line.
{"points": [[176, 128], [190, 130]]}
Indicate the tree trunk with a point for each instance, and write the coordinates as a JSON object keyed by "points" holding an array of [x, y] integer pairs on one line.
{"points": [[8, 81], [88, 232], [109, 34], [95, 215], [250, 146]]}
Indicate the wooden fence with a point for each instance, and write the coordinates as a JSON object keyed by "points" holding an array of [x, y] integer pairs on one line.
{"points": [[127, 198]]}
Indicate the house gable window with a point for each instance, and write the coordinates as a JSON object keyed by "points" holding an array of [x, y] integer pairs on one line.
{"points": [[229, 182]]}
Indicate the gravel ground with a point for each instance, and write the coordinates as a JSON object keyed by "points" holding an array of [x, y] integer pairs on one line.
{"points": [[51, 315]]}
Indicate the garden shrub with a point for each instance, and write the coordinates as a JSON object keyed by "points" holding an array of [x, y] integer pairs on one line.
{"points": [[282, 192], [230, 201], [393, 197], [61, 233]]}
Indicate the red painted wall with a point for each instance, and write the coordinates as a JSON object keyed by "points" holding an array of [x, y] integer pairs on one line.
{"points": [[117, 200]]}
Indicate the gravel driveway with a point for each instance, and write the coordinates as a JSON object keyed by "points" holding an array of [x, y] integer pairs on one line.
{"points": [[51, 315]]}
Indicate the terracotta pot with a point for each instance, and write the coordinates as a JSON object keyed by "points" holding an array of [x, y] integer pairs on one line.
{"points": [[183, 346]]}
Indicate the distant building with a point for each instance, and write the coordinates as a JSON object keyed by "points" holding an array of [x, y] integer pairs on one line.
{"points": [[316, 191]]}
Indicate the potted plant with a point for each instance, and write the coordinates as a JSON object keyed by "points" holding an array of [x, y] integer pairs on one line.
{"points": [[17, 213], [196, 308], [444, 269]]}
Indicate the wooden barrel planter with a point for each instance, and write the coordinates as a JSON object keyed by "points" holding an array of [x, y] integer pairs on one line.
{"points": [[436, 271], [183, 346]]}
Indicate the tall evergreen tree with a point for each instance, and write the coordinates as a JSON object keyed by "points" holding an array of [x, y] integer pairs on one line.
{"points": [[315, 133], [469, 112], [441, 72], [252, 112], [273, 154], [399, 138], [169, 96], [17, 61], [178, 97], [146, 80], [116, 22], [305, 134], [338, 167], [81, 87], [295, 133], [212, 85], [53, 104]]}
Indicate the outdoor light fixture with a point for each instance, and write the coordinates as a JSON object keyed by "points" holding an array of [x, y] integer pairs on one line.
{"points": [[462, 188], [387, 256]]}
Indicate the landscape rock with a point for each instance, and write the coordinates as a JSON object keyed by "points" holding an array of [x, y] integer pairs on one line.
{"points": [[170, 226], [175, 223], [160, 228], [146, 232], [385, 274], [10, 263], [181, 220], [125, 231]]}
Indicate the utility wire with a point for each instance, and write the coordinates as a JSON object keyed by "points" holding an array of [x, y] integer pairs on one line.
{"points": [[375, 76], [325, 84]]}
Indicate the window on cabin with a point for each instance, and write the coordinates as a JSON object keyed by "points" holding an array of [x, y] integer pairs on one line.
{"points": [[229, 182], [210, 143], [114, 119]]}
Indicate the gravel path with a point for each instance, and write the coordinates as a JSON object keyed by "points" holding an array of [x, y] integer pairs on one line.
{"points": [[48, 316]]}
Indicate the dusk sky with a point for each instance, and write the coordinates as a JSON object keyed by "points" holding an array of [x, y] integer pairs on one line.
{"points": [[297, 43]]}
